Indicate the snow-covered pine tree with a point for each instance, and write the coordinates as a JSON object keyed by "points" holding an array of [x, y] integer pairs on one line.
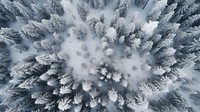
{"points": [[119, 26], [55, 7], [122, 9], [165, 18], [80, 32], [43, 98], [193, 31], [78, 98], [144, 88], [191, 21], [169, 8], [41, 11], [54, 24], [10, 36], [117, 77], [140, 99], [58, 37], [166, 41], [26, 2], [154, 16], [127, 50], [5, 16], [78, 108], [168, 61], [24, 70], [146, 46], [8, 4], [33, 31], [93, 103], [113, 95], [192, 46], [130, 101], [92, 22], [120, 101], [66, 89], [4, 61], [93, 69], [192, 9], [109, 52], [94, 93], [162, 106], [47, 59], [50, 105], [186, 60], [159, 84], [184, 11], [158, 70], [100, 29], [87, 85], [47, 45], [105, 45], [82, 11], [155, 38], [53, 82], [165, 52], [177, 100], [24, 10], [64, 103], [28, 83], [103, 99], [111, 34], [66, 78]]}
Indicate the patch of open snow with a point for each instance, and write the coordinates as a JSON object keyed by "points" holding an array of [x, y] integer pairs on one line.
{"points": [[72, 47], [16, 25], [16, 56], [133, 67]]}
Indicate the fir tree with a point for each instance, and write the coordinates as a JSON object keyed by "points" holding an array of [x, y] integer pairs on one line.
{"points": [[82, 11], [80, 32], [55, 24], [24, 10], [64, 104], [10, 36], [33, 31], [41, 11], [55, 7]]}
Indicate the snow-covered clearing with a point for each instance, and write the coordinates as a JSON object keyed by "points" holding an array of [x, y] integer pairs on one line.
{"points": [[130, 66]]}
